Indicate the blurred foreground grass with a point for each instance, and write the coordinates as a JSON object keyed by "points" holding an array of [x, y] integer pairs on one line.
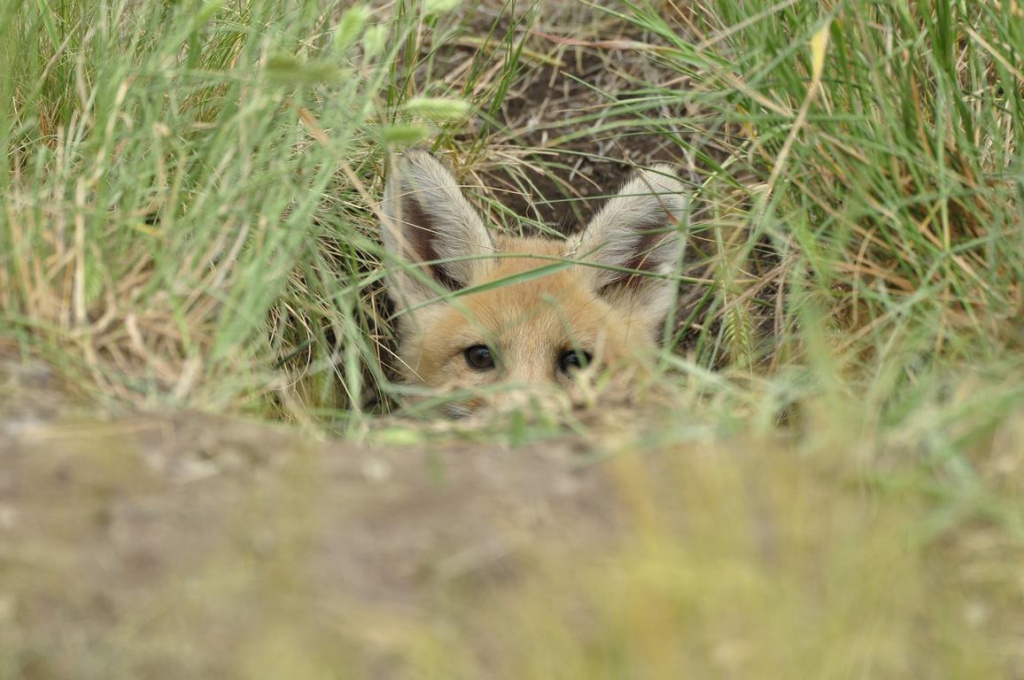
{"points": [[196, 546]]}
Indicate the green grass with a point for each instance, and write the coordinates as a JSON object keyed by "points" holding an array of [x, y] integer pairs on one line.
{"points": [[189, 222], [176, 207]]}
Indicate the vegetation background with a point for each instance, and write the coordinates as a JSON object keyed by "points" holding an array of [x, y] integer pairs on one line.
{"points": [[825, 480]]}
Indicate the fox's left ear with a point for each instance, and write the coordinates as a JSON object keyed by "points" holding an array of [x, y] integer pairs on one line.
{"points": [[634, 242]]}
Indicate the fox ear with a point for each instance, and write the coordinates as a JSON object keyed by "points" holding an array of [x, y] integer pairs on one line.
{"points": [[426, 219], [634, 236]]}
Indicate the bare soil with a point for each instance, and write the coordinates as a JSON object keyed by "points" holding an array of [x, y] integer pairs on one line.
{"points": [[163, 546]]}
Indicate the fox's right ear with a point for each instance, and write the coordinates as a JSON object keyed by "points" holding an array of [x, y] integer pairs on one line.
{"points": [[427, 222]]}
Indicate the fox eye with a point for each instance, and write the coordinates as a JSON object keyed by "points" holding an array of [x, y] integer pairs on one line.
{"points": [[572, 359], [479, 357]]}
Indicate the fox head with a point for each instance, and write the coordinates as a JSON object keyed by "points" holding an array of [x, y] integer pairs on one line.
{"points": [[476, 309]]}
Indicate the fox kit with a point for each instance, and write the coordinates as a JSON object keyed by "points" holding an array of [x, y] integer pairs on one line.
{"points": [[476, 308]]}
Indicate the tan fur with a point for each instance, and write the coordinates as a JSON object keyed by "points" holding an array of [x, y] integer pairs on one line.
{"points": [[528, 323]]}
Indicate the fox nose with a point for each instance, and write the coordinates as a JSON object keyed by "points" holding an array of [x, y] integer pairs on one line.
{"points": [[532, 398]]}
